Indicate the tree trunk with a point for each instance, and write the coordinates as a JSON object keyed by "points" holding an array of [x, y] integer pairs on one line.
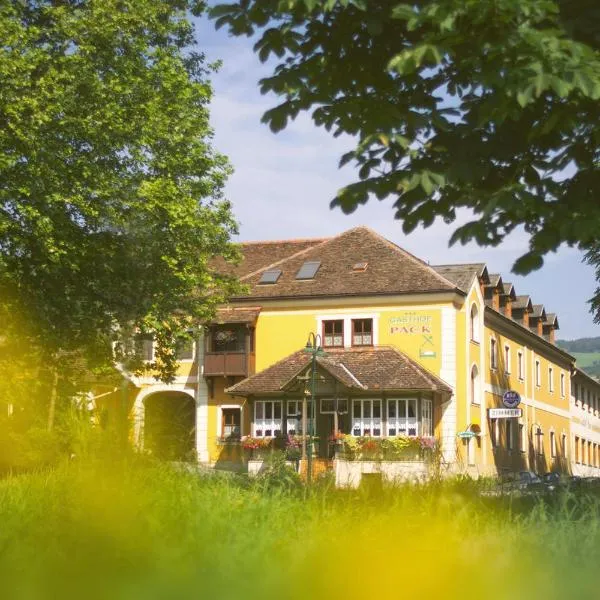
{"points": [[53, 397]]}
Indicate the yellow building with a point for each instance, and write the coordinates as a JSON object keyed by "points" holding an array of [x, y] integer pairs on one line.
{"points": [[411, 352]]}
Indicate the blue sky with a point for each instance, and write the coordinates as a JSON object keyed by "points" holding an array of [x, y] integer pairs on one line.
{"points": [[283, 183]]}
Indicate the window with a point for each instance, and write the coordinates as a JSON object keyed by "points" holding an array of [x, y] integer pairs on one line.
{"points": [[539, 440], [426, 417], [308, 270], [185, 349], [267, 418], [228, 339], [589, 401], [362, 332], [271, 276], [402, 417], [551, 379], [494, 432], [507, 359], [333, 333], [562, 385], [474, 323], [509, 434], [145, 347], [361, 266], [552, 445], [520, 365], [493, 354], [474, 391], [563, 449], [538, 380], [577, 453], [366, 417], [231, 423], [294, 417], [589, 454], [522, 438], [331, 405]]}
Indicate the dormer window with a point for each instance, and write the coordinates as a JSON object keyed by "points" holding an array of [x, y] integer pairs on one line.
{"points": [[308, 270], [360, 267], [271, 276]]}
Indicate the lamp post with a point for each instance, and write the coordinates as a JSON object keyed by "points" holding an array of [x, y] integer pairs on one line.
{"points": [[313, 347]]}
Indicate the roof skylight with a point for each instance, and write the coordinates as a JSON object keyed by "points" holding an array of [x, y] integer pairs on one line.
{"points": [[270, 276], [308, 270], [360, 266]]}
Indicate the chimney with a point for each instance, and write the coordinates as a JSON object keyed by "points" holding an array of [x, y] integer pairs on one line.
{"points": [[508, 307]]}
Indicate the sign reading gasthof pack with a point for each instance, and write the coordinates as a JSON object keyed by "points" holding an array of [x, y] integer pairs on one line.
{"points": [[504, 413]]}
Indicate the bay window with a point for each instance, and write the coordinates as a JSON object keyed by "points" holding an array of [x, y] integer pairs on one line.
{"points": [[366, 418], [267, 418], [402, 417]]}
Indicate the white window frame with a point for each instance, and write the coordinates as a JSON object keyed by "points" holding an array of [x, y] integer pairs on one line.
{"points": [[539, 440], [347, 318], [520, 371], [426, 417], [553, 453], [551, 380], [538, 374], [293, 424], [474, 323], [403, 425], [369, 424], [562, 385], [522, 437], [506, 359], [261, 426], [564, 445], [220, 409]]}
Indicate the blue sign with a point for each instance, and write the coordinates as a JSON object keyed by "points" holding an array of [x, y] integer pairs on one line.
{"points": [[511, 399]]}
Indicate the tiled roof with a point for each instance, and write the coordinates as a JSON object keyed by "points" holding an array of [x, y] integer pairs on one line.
{"points": [[231, 314], [461, 275], [256, 255], [521, 302], [509, 289], [379, 368], [552, 319], [390, 270], [495, 279], [538, 311]]}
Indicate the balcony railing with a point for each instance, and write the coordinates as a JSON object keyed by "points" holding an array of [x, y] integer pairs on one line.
{"points": [[229, 363]]}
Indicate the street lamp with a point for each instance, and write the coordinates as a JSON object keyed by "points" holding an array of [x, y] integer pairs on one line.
{"points": [[313, 347]]}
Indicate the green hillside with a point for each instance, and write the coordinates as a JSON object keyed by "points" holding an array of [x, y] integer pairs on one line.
{"points": [[586, 351]]}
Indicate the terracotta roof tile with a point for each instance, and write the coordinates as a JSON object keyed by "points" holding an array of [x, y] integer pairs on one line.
{"points": [[380, 368], [234, 314], [257, 255], [391, 270]]}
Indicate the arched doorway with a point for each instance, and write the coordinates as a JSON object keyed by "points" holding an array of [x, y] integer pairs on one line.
{"points": [[170, 425]]}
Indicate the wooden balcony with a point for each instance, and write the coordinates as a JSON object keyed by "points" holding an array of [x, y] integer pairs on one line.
{"points": [[228, 364]]}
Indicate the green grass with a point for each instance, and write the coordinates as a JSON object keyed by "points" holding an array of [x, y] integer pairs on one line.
{"points": [[586, 359], [136, 530]]}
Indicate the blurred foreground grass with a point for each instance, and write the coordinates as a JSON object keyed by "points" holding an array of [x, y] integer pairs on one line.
{"points": [[130, 529]]}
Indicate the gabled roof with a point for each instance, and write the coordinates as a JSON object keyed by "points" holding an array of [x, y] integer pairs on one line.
{"points": [[463, 275], [522, 303], [256, 255], [379, 368], [391, 270], [495, 280], [538, 312], [551, 320], [509, 289]]}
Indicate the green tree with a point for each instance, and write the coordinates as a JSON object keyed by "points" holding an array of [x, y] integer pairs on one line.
{"points": [[111, 204], [487, 105]]}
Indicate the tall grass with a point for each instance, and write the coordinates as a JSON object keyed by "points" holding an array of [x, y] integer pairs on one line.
{"points": [[130, 529]]}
